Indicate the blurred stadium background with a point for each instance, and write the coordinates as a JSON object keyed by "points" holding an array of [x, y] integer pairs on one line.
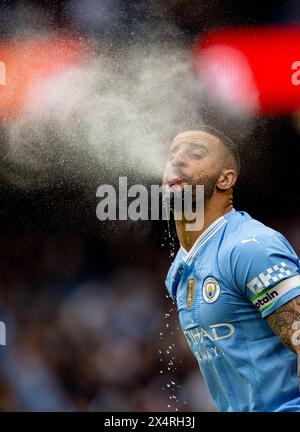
{"points": [[94, 90]]}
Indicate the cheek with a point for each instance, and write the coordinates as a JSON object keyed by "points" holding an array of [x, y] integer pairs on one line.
{"points": [[200, 168], [209, 166]]}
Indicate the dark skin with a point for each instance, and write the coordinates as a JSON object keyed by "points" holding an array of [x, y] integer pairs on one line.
{"points": [[195, 157]]}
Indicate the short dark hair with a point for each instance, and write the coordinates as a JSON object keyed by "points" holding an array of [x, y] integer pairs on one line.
{"points": [[229, 145]]}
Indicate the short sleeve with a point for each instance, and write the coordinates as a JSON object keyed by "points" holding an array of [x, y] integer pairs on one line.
{"points": [[265, 269]]}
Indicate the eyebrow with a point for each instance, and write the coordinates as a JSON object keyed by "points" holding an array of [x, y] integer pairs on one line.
{"points": [[193, 144]]}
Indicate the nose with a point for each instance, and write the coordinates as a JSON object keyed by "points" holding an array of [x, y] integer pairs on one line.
{"points": [[179, 160]]}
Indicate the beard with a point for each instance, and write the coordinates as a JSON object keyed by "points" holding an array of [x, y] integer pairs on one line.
{"points": [[209, 183]]}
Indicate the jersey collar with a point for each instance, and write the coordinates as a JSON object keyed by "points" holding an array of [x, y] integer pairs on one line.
{"points": [[188, 257]]}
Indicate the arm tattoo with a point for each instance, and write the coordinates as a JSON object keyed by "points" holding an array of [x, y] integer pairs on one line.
{"points": [[281, 321], [285, 322]]}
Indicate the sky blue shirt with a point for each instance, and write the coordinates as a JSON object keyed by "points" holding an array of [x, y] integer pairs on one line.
{"points": [[236, 274]]}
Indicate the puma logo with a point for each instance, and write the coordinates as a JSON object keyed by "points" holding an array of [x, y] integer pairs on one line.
{"points": [[250, 240]]}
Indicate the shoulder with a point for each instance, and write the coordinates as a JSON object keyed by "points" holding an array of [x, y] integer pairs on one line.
{"points": [[251, 246], [253, 257], [249, 237]]}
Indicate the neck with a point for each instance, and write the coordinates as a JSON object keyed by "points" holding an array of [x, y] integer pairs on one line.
{"points": [[218, 205]]}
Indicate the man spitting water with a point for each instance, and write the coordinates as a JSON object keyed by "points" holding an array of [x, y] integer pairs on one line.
{"points": [[236, 284]]}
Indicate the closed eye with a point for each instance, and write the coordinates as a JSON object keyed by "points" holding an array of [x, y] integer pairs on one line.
{"points": [[196, 156]]}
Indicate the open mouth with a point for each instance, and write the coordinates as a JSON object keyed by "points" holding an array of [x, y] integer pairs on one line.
{"points": [[174, 181]]}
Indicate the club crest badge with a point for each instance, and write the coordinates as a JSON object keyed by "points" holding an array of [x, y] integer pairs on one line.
{"points": [[190, 290], [211, 289]]}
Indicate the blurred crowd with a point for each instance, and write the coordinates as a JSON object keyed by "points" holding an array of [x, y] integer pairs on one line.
{"points": [[88, 342], [120, 20]]}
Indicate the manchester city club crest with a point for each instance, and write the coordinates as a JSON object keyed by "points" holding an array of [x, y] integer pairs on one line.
{"points": [[190, 290], [211, 289]]}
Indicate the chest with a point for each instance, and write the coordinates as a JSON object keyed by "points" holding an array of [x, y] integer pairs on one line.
{"points": [[206, 300]]}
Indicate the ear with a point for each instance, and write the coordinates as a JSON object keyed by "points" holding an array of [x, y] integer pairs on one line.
{"points": [[226, 180]]}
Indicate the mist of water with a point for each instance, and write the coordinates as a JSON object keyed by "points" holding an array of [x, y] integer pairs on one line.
{"points": [[116, 113]]}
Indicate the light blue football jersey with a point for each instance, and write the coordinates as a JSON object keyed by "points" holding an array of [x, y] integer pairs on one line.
{"points": [[236, 274]]}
